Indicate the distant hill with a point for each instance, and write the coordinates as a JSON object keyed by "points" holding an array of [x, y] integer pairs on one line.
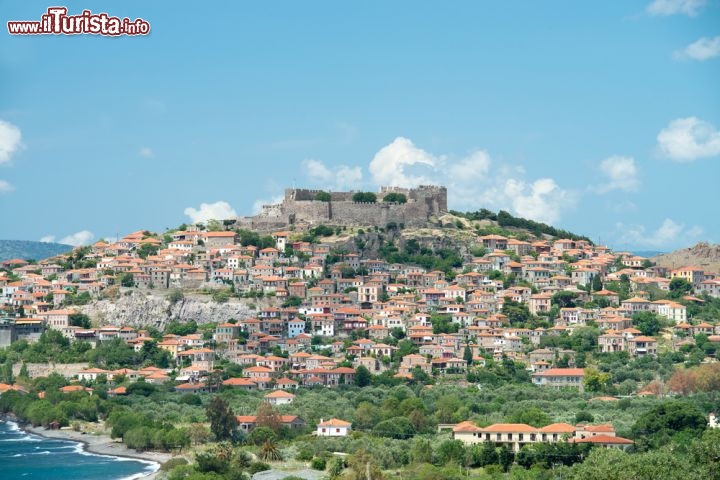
{"points": [[26, 249], [647, 253], [703, 255]]}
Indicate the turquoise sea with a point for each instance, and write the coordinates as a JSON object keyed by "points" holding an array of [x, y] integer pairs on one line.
{"points": [[26, 456]]}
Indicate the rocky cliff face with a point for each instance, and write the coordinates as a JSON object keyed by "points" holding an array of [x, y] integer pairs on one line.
{"points": [[141, 309], [704, 255]]}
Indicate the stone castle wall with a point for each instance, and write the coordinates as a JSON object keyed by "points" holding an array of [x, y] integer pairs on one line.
{"points": [[299, 207]]}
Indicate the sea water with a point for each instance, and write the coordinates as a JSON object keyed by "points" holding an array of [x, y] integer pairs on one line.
{"points": [[26, 456]]}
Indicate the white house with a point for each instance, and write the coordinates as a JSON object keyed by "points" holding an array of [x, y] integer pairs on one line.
{"points": [[279, 397], [713, 421], [333, 428]]}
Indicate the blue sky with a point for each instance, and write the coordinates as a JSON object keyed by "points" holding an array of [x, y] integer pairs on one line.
{"points": [[598, 117]]}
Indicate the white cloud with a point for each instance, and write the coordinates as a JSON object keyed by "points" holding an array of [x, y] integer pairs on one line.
{"points": [[472, 181], [474, 167], [620, 206], [219, 211], [6, 187], [668, 235], [146, 152], [258, 204], [621, 173], [48, 239], [542, 200], [316, 170], [348, 177], [674, 7], [342, 177], [10, 141], [77, 239], [702, 49], [687, 139], [389, 164]]}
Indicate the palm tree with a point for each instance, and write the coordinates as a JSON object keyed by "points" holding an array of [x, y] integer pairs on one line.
{"points": [[269, 451]]}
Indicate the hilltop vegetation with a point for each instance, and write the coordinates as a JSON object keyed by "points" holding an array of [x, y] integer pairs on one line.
{"points": [[27, 250], [504, 219]]}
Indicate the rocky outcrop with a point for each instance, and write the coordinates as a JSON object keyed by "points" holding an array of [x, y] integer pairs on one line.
{"points": [[67, 370], [704, 255], [136, 308]]}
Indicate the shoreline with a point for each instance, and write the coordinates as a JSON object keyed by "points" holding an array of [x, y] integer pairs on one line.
{"points": [[101, 445]]}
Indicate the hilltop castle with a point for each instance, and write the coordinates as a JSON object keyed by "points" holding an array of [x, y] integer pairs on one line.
{"points": [[300, 207]]}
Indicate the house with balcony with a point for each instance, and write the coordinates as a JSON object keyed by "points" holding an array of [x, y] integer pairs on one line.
{"points": [[560, 377], [642, 345]]}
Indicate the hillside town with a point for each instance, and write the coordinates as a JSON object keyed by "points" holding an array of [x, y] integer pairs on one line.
{"points": [[352, 305], [322, 316]]}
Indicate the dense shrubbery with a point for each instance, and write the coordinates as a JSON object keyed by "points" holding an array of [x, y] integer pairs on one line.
{"points": [[505, 219], [443, 259]]}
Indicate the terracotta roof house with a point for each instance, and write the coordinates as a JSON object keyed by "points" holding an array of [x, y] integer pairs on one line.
{"points": [[279, 397], [333, 428]]}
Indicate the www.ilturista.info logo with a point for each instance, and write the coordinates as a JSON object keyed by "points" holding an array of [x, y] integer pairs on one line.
{"points": [[57, 22]]}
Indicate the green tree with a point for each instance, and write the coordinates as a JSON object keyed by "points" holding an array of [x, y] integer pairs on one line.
{"points": [[260, 435], [421, 451], [127, 280], [78, 319], [583, 416], [505, 458], [486, 455], [222, 420], [658, 425], [322, 196], [395, 197], [518, 313], [147, 249], [364, 197], [141, 387], [595, 380], [532, 416], [564, 299], [467, 355], [7, 372], [398, 427], [679, 287], [597, 283], [363, 466], [363, 377], [176, 296], [214, 225], [647, 322], [269, 451], [451, 451]]}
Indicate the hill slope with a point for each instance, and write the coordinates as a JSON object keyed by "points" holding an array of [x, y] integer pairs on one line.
{"points": [[704, 255], [26, 249]]}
